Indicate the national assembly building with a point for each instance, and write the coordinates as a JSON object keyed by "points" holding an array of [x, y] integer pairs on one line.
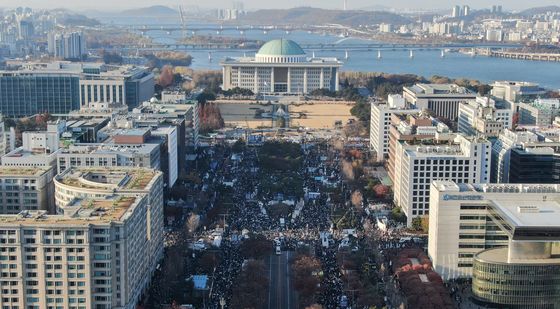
{"points": [[282, 67]]}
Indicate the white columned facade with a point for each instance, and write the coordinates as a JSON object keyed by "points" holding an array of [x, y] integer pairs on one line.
{"points": [[336, 79], [289, 80], [300, 73], [305, 80], [272, 80], [239, 77], [256, 83]]}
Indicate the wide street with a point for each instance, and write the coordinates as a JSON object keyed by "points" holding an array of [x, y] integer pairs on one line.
{"points": [[280, 293]]}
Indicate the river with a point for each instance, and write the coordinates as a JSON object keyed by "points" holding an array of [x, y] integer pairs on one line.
{"points": [[425, 62]]}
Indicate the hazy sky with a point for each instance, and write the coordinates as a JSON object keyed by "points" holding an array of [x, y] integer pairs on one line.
{"points": [[254, 4]]}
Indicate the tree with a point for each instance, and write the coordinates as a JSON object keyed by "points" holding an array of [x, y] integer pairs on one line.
{"points": [[111, 57], [211, 118], [347, 170], [361, 110], [484, 89], [398, 215], [252, 286], [192, 223], [425, 224], [166, 76], [381, 190], [305, 269], [357, 199], [436, 79], [515, 120], [238, 146], [417, 223], [256, 247], [205, 96]]}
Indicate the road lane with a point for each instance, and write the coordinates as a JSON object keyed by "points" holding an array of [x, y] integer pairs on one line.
{"points": [[280, 294]]}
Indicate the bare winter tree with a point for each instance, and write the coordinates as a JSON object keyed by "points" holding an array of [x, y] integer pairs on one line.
{"points": [[193, 223], [357, 199], [347, 170]]}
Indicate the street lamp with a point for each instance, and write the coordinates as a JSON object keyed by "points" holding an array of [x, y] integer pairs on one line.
{"points": [[222, 302]]}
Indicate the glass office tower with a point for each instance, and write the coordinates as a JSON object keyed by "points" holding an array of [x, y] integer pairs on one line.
{"points": [[29, 94]]}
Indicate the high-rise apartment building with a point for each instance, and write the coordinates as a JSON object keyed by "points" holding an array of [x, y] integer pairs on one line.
{"points": [[456, 12], [71, 45], [494, 35], [466, 10]]}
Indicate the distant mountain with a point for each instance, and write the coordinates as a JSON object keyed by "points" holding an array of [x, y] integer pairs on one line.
{"points": [[73, 19], [376, 7], [313, 16], [156, 10], [540, 10]]}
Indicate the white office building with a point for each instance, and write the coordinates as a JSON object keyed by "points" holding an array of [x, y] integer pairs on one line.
{"points": [[442, 99], [26, 188], [109, 155], [513, 91], [540, 112], [483, 116], [466, 219], [97, 252], [380, 123], [281, 66], [465, 160]]}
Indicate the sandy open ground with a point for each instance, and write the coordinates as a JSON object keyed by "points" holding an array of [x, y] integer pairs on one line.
{"points": [[317, 115]]}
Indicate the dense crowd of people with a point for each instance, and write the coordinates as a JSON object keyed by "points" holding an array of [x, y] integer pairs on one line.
{"points": [[249, 213]]}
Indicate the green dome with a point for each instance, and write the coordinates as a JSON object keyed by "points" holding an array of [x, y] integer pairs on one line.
{"points": [[281, 47]]}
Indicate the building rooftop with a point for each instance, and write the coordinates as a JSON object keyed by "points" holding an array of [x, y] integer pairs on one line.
{"points": [[309, 61], [545, 104], [108, 148], [281, 47], [451, 186], [134, 132], [530, 213], [93, 70], [114, 179], [14, 156], [6, 171], [440, 89], [500, 255], [114, 208]]}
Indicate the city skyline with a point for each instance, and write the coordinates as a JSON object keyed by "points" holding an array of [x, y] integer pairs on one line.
{"points": [[102, 5], [343, 154]]}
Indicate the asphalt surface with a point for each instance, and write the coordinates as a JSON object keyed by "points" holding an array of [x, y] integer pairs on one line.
{"points": [[281, 294]]}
